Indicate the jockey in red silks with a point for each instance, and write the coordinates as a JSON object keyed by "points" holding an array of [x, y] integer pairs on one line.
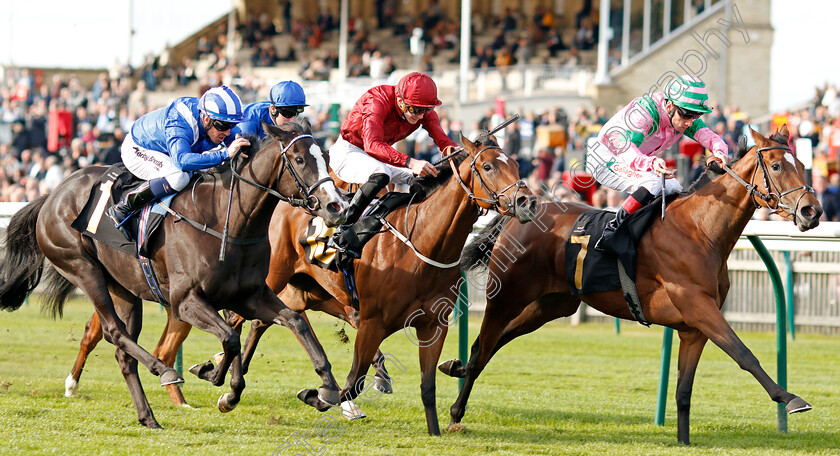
{"points": [[364, 153], [625, 156]]}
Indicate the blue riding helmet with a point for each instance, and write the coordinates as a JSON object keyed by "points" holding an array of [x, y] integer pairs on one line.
{"points": [[287, 93], [221, 103]]}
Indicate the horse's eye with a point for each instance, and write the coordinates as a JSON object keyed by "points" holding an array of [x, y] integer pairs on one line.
{"points": [[299, 160], [487, 167], [776, 167]]}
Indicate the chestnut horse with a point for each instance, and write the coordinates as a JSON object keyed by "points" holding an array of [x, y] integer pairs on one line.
{"points": [[185, 258], [396, 288], [681, 273]]}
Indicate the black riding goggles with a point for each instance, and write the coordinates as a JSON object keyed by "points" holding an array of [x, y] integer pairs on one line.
{"points": [[289, 111], [688, 115], [222, 125], [417, 110]]}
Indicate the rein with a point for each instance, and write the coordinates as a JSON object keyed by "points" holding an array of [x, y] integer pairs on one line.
{"points": [[773, 191], [309, 201]]}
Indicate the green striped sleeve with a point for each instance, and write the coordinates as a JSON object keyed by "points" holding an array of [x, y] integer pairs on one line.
{"points": [[633, 136], [695, 126]]}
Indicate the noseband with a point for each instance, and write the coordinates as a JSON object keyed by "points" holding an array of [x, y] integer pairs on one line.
{"points": [[495, 198], [773, 191], [309, 200]]}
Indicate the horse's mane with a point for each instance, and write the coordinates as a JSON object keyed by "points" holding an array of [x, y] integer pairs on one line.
{"points": [[431, 183], [714, 171]]}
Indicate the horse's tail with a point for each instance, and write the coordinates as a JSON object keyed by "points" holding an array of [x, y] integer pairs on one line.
{"points": [[56, 291], [482, 245], [21, 269]]}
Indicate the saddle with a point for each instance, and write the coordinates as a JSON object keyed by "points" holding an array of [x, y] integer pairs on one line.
{"points": [[93, 223], [591, 271]]}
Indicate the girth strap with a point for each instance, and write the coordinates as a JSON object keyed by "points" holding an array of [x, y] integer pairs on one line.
{"points": [[211, 231]]}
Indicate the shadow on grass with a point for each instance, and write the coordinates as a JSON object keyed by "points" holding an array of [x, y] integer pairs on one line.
{"points": [[548, 426]]}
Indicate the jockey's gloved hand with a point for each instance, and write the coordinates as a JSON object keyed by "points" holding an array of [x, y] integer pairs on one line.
{"points": [[237, 145]]}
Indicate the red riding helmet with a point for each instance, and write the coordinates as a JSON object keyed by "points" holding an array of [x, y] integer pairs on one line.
{"points": [[418, 89]]}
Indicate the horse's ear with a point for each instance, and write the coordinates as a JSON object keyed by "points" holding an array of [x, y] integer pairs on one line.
{"points": [[276, 132], [784, 133], [759, 139], [307, 127], [469, 146]]}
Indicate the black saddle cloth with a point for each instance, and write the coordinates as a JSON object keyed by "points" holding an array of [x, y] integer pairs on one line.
{"points": [[92, 220], [591, 271]]}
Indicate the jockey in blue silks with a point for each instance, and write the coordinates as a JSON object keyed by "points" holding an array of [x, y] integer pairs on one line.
{"points": [[166, 145]]}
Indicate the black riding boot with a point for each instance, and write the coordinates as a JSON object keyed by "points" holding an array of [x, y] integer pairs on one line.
{"points": [[367, 192], [130, 203], [634, 202], [605, 243]]}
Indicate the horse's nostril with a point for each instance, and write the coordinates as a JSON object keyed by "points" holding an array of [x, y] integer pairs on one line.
{"points": [[333, 208], [810, 212]]}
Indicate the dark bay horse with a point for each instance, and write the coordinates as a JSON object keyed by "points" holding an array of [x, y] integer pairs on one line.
{"points": [[287, 164], [396, 289], [682, 276]]}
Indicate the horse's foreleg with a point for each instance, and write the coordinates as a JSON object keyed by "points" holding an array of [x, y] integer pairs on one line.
{"points": [[174, 334], [712, 324], [271, 309], [433, 337], [130, 310], [258, 328], [91, 337], [381, 381], [196, 311], [691, 347], [370, 335]]}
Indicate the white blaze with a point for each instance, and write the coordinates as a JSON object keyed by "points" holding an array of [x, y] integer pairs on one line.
{"points": [[790, 159], [503, 158], [316, 152]]}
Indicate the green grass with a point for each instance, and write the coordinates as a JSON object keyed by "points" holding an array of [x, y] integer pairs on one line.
{"points": [[561, 391]]}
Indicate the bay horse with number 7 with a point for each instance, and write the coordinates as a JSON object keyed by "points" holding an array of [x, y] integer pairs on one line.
{"points": [[288, 165], [681, 273]]}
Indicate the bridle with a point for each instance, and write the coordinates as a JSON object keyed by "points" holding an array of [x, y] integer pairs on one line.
{"points": [[773, 191], [308, 201], [495, 198]]}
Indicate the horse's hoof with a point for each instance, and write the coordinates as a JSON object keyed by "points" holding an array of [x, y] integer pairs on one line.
{"points": [[455, 427], [312, 398], [225, 404], [170, 377], [382, 385], [151, 424], [202, 370], [329, 396], [70, 386], [351, 411], [796, 405], [449, 368], [218, 357]]}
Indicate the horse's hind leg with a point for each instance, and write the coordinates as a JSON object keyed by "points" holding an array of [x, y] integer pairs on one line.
{"points": [[503, 322], [174, 334], [130, 311], [691, 347], [91, 337], [89, 276], [196, 311]]}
